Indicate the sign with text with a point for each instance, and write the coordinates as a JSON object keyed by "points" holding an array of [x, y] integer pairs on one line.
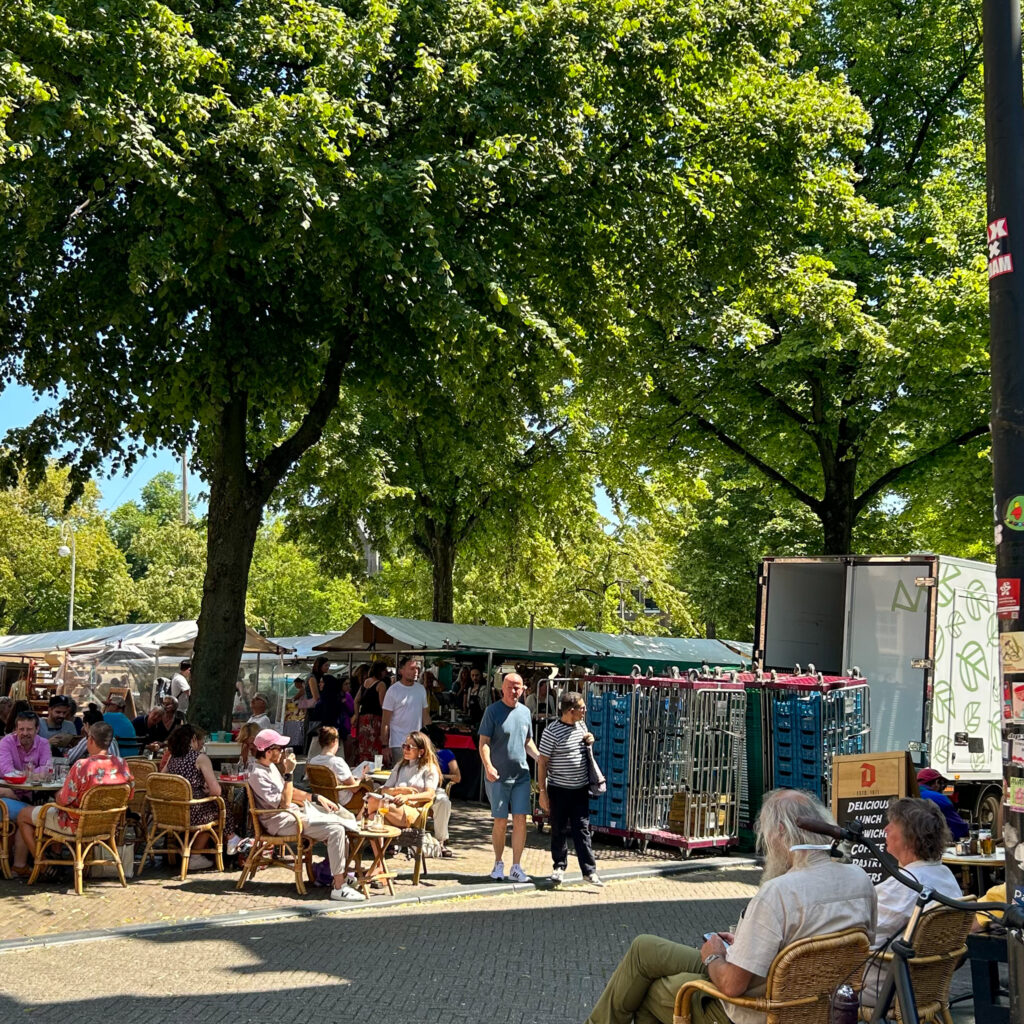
{"points": [[863, 786]]}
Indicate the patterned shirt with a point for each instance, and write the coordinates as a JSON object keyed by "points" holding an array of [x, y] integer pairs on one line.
{"points": [[101, 770]]}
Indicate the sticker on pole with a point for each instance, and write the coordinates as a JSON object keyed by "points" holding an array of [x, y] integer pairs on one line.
{"points": [[1007, 598], [1000, 260], [1014, 517]]}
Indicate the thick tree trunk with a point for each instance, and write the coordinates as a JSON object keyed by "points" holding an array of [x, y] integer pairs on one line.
{"points": [[442, 561], [838, 511], [235, 511]]}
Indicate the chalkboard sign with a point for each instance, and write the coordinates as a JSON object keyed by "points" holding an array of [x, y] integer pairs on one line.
{"points": [[863, 786]]}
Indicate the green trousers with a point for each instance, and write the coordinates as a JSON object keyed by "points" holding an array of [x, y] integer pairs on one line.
{"points": [[643, 987]]}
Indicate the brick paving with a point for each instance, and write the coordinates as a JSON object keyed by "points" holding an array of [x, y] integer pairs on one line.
{"points": [[52, 908]]}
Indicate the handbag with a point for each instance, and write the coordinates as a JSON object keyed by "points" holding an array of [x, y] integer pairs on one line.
{"points": [[595, 777]]}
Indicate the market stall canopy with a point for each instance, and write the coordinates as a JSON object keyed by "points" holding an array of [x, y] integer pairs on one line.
{"points": [[303, 648], [163, 639], [382, 634]]}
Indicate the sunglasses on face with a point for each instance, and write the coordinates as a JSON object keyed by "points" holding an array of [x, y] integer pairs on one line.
{"points": [[409, 746]]}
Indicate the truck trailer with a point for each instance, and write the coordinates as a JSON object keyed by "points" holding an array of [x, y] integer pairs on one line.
{"points": [[922, 630]]}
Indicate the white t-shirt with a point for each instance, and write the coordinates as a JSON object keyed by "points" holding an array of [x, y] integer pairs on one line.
{"points": [[406, 704], [263, 721], [414, 776], [180, 689], [341, 770], [895, 905]]}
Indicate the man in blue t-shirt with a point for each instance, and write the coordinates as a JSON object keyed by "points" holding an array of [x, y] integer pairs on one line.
{"points": [[505, 740], [931, 785], [124, 730]]}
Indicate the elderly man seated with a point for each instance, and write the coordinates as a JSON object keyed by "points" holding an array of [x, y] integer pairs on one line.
{"points": [[803, 893], [100, 768], [917, 836], [320, 818]]}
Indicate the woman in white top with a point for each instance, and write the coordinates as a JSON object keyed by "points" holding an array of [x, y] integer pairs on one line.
{"points": [[410, 785]]}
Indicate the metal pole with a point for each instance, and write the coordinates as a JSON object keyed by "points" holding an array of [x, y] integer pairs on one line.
{"points": [[184, 486], [1004, 153], [67, 533]]}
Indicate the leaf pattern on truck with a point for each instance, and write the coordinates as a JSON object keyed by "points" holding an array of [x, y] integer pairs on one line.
{"points": [[973, 663], [944, 706]]}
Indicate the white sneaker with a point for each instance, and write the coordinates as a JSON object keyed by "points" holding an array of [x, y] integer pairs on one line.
{"points": [[347, 893], [594, 880], [233, 844], [498, 871], [556, 876], [197, 862], [517, 874]]}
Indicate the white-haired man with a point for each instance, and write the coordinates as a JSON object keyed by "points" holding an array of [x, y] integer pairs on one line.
{"points": [[802, 893]]}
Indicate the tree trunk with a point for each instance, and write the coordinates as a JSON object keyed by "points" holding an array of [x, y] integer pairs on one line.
{"points": [[235, 511], [442, 561], [838, 510]]}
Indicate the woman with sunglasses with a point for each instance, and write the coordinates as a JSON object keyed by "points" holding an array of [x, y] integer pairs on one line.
{"points": [[411, 784]]}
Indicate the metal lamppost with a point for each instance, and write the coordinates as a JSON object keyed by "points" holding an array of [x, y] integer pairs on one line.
{"points": [[67, 533]]}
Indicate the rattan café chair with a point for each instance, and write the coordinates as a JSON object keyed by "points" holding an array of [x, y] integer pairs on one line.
{"points": [[97, 823], [323, 782], [6, 836], [270, 849], [940, 944], [170, 805], [799, 982]]}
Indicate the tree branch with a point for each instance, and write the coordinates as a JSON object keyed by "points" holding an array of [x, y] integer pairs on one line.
{"points": [[272, 469], [896, 472]]}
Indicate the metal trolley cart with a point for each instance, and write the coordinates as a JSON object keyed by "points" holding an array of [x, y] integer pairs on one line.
{"points": [[670, 749]]}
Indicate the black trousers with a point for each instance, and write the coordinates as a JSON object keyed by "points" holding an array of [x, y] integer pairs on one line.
{"points": [[570, 812]]}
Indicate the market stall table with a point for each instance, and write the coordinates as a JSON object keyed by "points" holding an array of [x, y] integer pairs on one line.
{"points": [[220, 751], [379, 839]]}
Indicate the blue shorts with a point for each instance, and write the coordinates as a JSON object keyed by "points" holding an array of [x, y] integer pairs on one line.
{"points": [[509, 796], [13, 806]]}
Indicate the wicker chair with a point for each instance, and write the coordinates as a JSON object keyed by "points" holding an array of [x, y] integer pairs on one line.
{"points": [[323, 782], [268, 849], [940, 944], [141, 769], [97, 822], [170, 803], [7, 828], [799, 981]]}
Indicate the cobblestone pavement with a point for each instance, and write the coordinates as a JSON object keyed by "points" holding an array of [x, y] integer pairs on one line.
{"points": [[52, 908], [536, 957]]}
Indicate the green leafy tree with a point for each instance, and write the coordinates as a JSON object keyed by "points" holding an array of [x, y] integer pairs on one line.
{"points": [[211, 223], [856, 368], [35, 582]]}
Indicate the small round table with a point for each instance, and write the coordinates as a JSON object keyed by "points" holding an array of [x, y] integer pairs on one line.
{"points": [[379, 840]]}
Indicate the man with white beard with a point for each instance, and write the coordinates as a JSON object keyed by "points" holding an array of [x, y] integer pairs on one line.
{"points": [[802, 893]]}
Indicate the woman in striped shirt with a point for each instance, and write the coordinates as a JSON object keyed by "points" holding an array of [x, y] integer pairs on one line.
{"points": [[564, 787]]}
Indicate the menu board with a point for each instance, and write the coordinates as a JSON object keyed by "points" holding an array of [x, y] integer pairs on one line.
{"points": [[863, 786]]}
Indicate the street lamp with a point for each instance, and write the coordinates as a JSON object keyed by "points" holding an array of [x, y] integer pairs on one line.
{"points": [[67, 533]]}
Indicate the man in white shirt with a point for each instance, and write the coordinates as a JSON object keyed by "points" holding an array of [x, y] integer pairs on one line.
{"points": [[260, 703], [181, 686], [405, 709], [917, 836], [803, 893]]}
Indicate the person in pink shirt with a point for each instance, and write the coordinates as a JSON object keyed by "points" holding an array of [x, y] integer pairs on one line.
{"points": [[23, 751]]}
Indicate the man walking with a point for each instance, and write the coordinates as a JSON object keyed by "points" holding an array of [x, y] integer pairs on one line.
{"points": [[405, 709], [505, 741]]}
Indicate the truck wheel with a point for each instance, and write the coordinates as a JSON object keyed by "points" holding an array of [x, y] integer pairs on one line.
{"points": [[989, 810]]}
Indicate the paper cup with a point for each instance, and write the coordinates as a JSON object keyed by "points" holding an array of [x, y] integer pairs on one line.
{"points": [[378, 762]]}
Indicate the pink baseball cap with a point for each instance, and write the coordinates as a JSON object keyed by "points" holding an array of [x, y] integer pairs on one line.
{"points": [[270, 738]]}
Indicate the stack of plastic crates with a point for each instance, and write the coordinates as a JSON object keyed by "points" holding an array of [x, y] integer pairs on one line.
{"points": [[812, 719], [670, 749]]}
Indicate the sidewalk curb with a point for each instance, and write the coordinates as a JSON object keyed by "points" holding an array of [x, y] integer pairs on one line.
{"points": [[324, 908]]}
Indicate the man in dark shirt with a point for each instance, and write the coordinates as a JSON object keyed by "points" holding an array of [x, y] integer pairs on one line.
{"points": [[931, 785]]}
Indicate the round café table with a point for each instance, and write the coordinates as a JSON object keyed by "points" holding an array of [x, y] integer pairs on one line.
{"points": [[977, 864], [378, 840]]}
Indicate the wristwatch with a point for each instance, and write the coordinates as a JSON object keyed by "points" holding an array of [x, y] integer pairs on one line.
{"points": [[710, 957], [287, 776]]}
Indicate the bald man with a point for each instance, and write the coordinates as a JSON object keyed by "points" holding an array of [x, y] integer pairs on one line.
{"points": [[505, 740]]}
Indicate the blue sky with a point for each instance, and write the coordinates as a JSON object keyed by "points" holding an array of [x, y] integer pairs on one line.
{"points": [[18, 408]]}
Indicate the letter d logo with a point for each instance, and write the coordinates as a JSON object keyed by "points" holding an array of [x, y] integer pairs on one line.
{"points": [[867, 775]]}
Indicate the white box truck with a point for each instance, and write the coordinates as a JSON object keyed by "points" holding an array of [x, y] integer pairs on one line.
{"points": [[922, 630]]}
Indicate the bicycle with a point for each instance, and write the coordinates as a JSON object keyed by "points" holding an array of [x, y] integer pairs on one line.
{"points": [[896, 982]]}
